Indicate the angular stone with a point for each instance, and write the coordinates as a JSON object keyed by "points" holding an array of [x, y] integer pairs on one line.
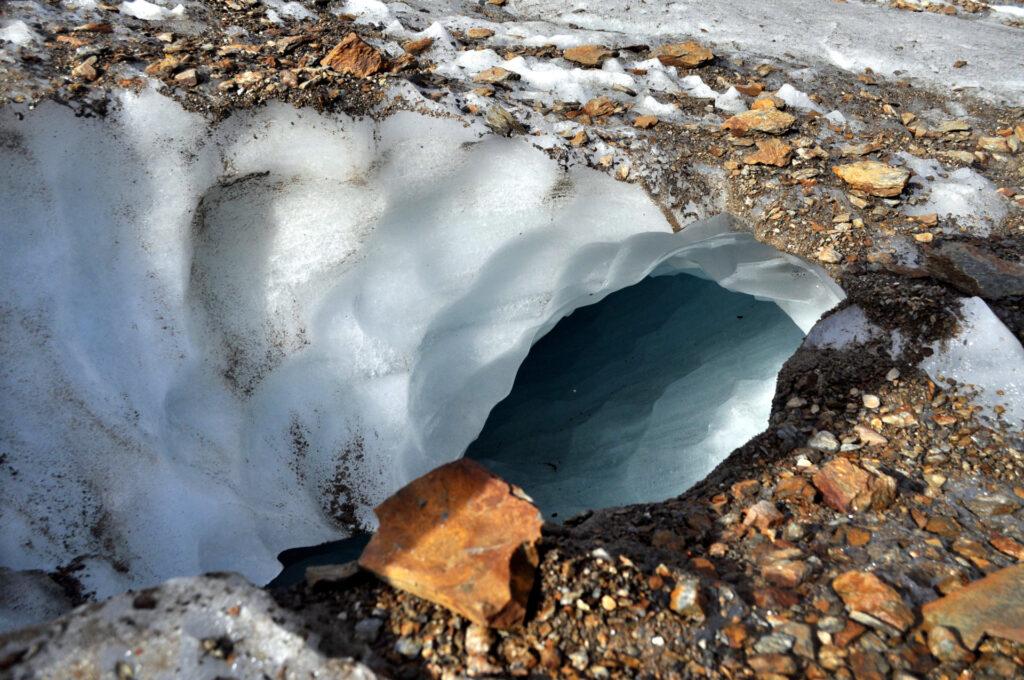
{"points": [[354, 57], [873, 177], [769, 101], [862, 591], [824, 441], [770, 152], [771, 121], [785, 573], [417, 46], [944, 646], [462, 538], [847, 487], [645, 122], [777, 664], [495, 74], [869, 436], [685, 54], [587, 55], [762, 515], [187, 78], [502, 122], [1008, 546], [599, 106], [686, 599], [992, 606], [975, 271]]}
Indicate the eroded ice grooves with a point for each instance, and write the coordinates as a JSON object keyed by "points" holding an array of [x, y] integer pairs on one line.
{"points": [[221, 343]]}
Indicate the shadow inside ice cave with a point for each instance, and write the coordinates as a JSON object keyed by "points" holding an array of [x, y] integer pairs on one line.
{"points": [[639, 396]]}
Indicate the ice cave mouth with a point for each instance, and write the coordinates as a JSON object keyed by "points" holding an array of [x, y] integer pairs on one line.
{"points": [[631, 399], [638, 397]]}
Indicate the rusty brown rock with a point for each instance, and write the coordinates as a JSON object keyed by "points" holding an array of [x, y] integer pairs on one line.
{"points": [[992, 606], [770, 152], [462, 538], [479, 33], [1007, 546], [685, 54], [873, 177], [862, 591], [762, 515], [353, 56], [417, 46], [771, 121], [587, 55], [645, 122], [846, 487]]}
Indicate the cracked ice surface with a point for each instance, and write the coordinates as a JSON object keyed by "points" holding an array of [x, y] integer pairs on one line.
{"points": [[219, 343]]}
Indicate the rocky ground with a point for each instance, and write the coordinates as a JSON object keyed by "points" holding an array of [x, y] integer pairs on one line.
{"points": [[843, 541]]}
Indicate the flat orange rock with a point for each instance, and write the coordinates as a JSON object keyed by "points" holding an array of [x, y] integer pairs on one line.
{"points": [[460, 537], [354, 56], [685, 54], [993, 605]]}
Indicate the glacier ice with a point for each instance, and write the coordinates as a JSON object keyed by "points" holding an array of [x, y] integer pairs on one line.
{"points": [[219, 342], [637, 398]]}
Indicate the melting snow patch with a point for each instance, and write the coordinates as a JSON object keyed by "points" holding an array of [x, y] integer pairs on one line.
{"points": [[797, 99], [141, 9], [849, 326], [962, 194], [19, 33], [984, 354]]}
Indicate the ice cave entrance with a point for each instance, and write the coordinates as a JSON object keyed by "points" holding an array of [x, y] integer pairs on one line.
{"points": [[639, 396], [629, 400]]}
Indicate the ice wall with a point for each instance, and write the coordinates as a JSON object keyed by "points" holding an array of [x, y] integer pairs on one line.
{"points": [[218, 343]]}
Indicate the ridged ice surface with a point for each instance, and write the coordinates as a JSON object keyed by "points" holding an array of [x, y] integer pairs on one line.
{"points": [[638, 397], [217, 343]]}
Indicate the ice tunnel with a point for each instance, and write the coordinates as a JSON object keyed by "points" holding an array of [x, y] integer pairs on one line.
{"points": [[638, 397], [229, 340]]}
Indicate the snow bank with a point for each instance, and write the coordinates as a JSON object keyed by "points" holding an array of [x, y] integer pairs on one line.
{"points": [[221, 343], [851, 36], [962, 194]]}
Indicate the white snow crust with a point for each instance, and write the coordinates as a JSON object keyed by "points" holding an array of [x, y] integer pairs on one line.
{"points": [[849, 35], [214, 331], [148, 11]]}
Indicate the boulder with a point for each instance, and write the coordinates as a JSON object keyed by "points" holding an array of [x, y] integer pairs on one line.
{"points": [[462, 538]]}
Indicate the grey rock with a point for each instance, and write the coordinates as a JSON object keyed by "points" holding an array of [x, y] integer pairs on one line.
{"points": [[975, 271], [201, 627], [776, 643]]}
